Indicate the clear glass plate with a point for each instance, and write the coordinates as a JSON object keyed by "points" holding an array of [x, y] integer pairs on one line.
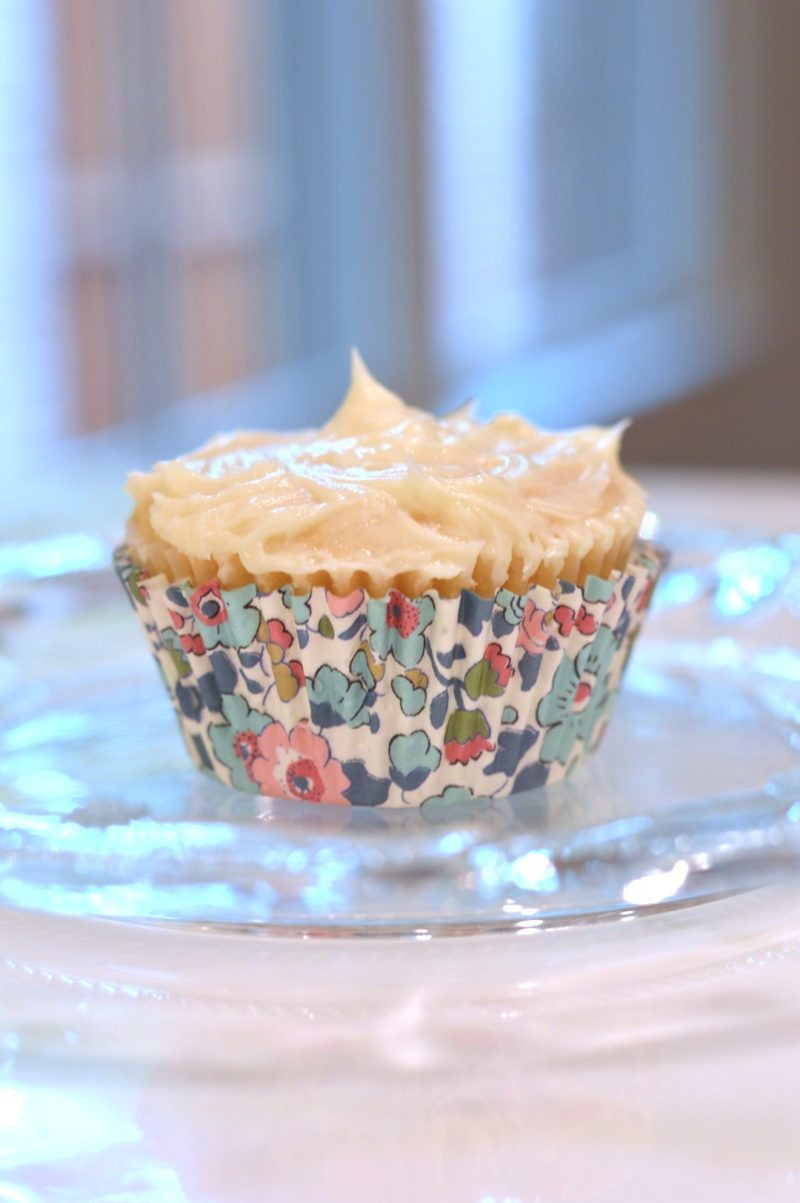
{"points": [[694, 793]]}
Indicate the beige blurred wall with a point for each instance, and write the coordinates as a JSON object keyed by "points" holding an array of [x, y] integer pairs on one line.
{"points": [[752, 418], [165, 145]]}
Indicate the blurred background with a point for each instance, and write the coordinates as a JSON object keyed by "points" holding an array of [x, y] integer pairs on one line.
{"points": [[574, 208]]}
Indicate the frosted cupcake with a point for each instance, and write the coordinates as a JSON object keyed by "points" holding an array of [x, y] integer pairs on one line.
{"points": [[393, 610]]}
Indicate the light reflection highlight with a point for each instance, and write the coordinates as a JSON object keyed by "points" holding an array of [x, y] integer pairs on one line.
{"points": [[657, 886], [748, 575], [57, 556], [17, 1194], [57, 789], [534, 871], [678, 589], [41, 1125]]}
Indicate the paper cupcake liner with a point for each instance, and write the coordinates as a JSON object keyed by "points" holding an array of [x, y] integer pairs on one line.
{"points": [[396, 701]]}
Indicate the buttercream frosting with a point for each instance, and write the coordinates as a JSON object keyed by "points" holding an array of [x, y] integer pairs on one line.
{"points": [[389, 496]]}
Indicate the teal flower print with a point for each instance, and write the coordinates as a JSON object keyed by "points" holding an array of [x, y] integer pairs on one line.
{"points": [[512, 605], [336, 700], [454, 802], [397, 625], [297, 603], [366, 668], [412, 758], [410, 689], [234, 741], [578, 698], [225, 616], [597, 590]]}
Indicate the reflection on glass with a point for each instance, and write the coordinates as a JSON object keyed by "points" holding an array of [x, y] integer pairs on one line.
{"points": [[45, 1125]]}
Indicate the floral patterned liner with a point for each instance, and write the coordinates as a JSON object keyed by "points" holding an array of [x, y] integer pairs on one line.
{"points": [[395, 701]]}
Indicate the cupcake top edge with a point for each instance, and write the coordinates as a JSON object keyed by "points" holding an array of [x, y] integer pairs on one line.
{"points": [[647, 562], [384, 496]]}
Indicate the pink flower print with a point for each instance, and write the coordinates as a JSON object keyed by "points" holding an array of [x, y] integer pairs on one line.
{"points": [[297, 671], [644, 597], [458, 753], [566, 619], [501, 663], [340, 607], [193, 643], [401, 614], [278, 634], [208, 606], [531, 633], [245, 748], [298, 765]]}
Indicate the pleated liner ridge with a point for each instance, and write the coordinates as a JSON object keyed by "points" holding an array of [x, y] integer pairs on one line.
{"points": [[393, 701]]}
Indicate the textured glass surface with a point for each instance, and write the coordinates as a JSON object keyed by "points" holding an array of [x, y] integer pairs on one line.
{"points": [[694, 792]]}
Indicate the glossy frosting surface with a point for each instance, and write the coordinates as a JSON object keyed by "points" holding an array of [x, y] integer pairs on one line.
{"points": [[386, 495]]}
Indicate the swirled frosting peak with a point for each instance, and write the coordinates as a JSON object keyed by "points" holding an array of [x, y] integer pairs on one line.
{"points": [[389, 496]]}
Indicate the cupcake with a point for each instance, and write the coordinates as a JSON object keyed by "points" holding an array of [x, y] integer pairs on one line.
{"points": [[395, 609]]}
